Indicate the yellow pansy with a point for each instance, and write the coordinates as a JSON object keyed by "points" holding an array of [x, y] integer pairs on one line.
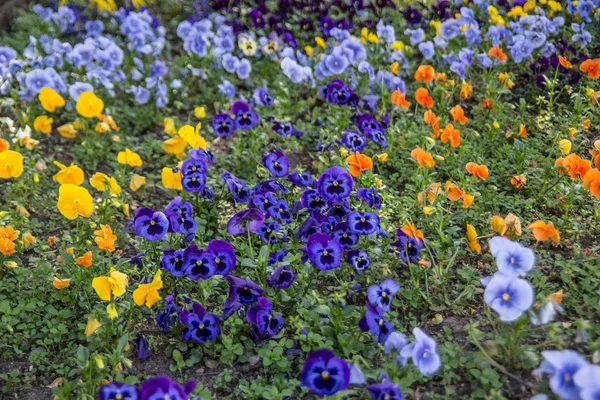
{"points": [[436, 24], [92, 326], [148, 292], [89, 105], [199, 112], [398, 45], [170, 179], [43, 124], [395, 68], [192, 137], [499, 225], [383, 157], [320, 42], [67, 131], [115, 284], [309, 50], [136, 182], [428, 210], [373, 38], [565, 146], [111, 310], [102, 182], [472, 238], [50, 100], [466, 90], [169, 126], [74, 201], [129, 157], [529, 5], [175, 145], [554, 5], [71, 174], [28, 240], [4, 145], [11, 164]]}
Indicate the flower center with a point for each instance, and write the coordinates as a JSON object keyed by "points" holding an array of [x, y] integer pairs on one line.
{"points": [[383, 294], [380, 322], [505, 296], [568, 378], [362, 220], [152, 223], [512, 260], [335, 183], [325, 375], [425, 353], [325, 253]]}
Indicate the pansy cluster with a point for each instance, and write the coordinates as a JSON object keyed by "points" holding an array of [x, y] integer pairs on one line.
{"points": [[97, 55], [160, 387]]}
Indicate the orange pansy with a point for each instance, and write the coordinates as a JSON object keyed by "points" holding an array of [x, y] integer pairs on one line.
{"points": [[86, 260], [543, 231], [564, 62], [518, 181], [478, 171], [425, 159], [449, 134], [423, 98], [496, 52], [591, 181], [591, 67], [399, 99], [410, 230], [458, 114], [425, 73], [105, 239], [359, 163]]}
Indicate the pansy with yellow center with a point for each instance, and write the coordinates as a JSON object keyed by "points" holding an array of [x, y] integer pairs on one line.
{"points": [[147, 293], [11, 164], [50, 100], [171, 178], [69, 175], [129, 157], [102, 182], [113, 285], [43, 124], [74, 201], [89, 105], [67, 131]]}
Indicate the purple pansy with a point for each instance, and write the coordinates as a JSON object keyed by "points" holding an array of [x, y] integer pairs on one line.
{"points": [[324, 252], [382, 295], [325, 374], [150, 224], [244, 290], [198, 263], [163, 387], [277, 163], [251, 219], [335, 184], [200, 326]]}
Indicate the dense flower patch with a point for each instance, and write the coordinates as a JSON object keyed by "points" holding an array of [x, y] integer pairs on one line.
{"points": [[356, 199]]}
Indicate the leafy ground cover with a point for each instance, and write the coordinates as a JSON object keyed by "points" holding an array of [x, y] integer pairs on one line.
{"points": [[296, 199]]}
